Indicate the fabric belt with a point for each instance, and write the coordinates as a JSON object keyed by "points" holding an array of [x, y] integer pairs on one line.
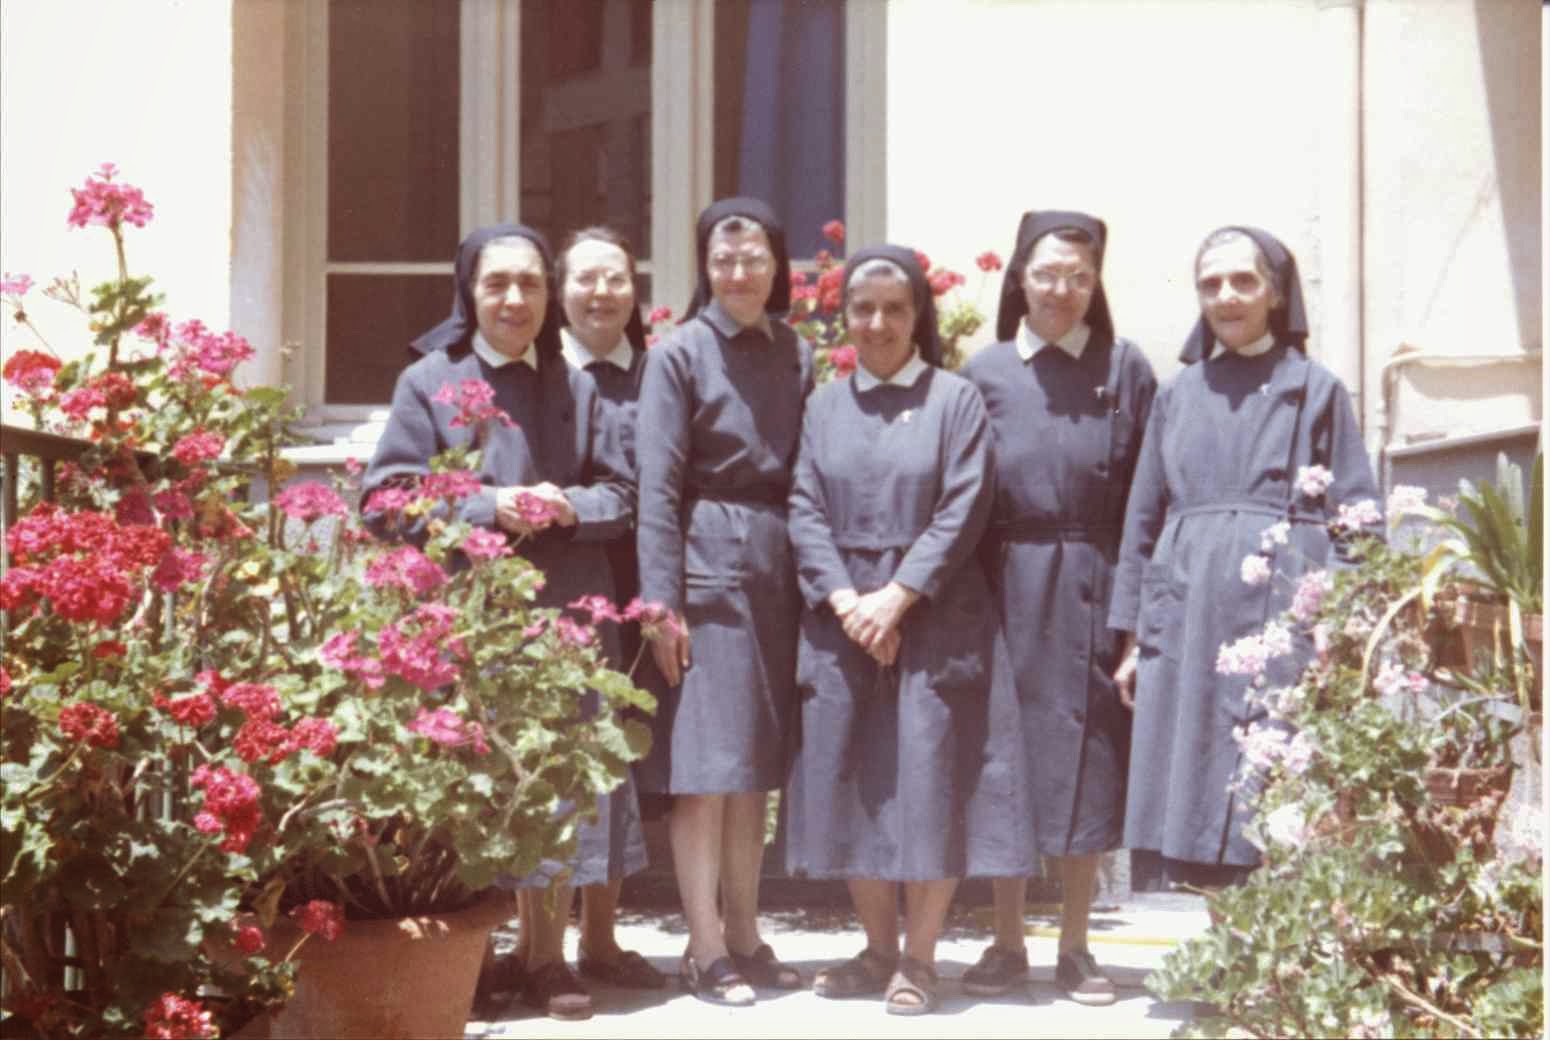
{"points": [[749, 496], [1253, 506], [1035, 530]]}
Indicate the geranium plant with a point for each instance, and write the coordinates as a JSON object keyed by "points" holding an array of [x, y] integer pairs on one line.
{"points": [[1395, 896], [818, 315], [212, 703]]}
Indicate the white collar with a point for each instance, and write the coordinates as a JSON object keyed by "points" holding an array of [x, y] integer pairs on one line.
{"points": [[579, 356], [495, 359], [1254, 349], [907, 374], [728, 326], [1073, 342]]}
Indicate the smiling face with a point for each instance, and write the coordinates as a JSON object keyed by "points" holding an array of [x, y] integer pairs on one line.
{"points": [[510, 294], [880, 319], [1058, 285], [598, 294], [1235, 295], [741, 267]]}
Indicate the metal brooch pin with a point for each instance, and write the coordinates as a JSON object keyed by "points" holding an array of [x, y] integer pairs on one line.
{"points": [[907, 415]]}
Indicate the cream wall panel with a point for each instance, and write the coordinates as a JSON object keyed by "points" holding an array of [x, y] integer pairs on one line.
{"points": [[146, 85], [1452, 151]]}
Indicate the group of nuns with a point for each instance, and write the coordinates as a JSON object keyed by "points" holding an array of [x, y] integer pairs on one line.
{"points": [[950, 615]]}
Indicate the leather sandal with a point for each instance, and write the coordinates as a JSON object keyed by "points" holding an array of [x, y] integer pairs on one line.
{"points": [[763, 969], [866, 973], [912, 990], [721, 983], [628, 970]]}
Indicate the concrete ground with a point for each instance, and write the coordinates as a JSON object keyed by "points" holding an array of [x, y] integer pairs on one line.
{"points": [[1129, 940]]}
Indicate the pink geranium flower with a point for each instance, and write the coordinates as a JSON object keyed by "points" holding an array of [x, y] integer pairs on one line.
{"points": [[405, 568], [310, 501], [102, 201]]}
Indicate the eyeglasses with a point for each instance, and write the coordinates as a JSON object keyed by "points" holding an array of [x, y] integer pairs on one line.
{"points": [[616, 281], [1079, 281], [753, 263]]}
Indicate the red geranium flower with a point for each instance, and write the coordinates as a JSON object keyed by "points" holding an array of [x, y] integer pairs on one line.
{"points": [[320, 917], [89, 723], [834, 231], [31, 370]]}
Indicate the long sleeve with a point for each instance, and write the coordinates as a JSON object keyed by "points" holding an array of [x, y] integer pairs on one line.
{"points": [[820, 568], [409, 441], [661, 451], [605, 508], [1146, 511], [1338, 438], [963, 503]]}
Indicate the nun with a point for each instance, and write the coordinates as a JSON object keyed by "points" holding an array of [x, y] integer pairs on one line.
{"points": [[1250, 450], [505, 330], [601, 333], [719, 416], [1068, 403], [910, 772]]}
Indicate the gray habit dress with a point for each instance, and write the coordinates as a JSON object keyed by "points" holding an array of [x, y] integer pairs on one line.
{"points": [[717, 426], [559, 437], [1224, 443], [1067, 434], [913, 772]]}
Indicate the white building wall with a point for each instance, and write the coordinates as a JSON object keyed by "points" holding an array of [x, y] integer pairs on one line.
{"points": [[1167, 118], [145, 85]]}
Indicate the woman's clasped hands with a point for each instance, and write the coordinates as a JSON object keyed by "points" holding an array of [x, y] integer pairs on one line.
{"points": [[872, 620]]}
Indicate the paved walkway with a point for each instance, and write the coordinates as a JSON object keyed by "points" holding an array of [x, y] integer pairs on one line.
{"points": [[1129, 940]]}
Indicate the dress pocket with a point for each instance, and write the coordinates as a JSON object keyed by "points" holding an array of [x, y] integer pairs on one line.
{"points": [[1161, 620], [959, 634]]}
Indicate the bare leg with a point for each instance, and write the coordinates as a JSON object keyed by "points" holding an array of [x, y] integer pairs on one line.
{"points": [[877, 904], [742, 856], [598, 903], [694, 827], [545, 928], [1078, 880], [1010, 896], [524, 927], [925, 908]]}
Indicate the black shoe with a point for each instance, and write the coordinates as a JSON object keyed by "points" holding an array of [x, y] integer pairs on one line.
{"points": [[1079, 977], [553, 990], [998, 970], [500, 980]]}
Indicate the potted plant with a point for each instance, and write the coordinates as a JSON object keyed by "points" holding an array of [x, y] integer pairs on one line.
{"points": [[1494, 551], [234, 725], [1396, 896]]}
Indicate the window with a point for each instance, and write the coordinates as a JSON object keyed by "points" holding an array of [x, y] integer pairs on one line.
{"points": [[422, 119]]}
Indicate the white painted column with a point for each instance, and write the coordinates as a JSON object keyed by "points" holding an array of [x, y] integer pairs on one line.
{"points": [[682, 141], [1338, 76]]}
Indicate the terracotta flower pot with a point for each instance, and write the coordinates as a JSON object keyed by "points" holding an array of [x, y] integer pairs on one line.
{"points": [[1462, 808], [410, 977], [1479, 624]]}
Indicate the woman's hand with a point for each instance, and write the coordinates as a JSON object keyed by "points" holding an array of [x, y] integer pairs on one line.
{"points": [[1125, 674], [878, 613], [887, 649], [554, 497], [844, 602], [511, 514], [670, 650]]}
